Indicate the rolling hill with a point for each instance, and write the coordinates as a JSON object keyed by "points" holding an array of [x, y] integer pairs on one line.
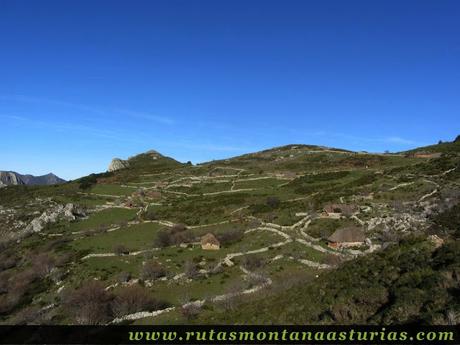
{"points": [[125, 246]]}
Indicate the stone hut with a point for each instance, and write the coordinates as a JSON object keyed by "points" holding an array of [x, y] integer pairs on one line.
{"points": [[210, 242], [337, 210], [351, 236]]}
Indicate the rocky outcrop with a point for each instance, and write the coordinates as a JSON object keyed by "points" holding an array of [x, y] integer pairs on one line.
{"points": [[68, 212], [13, 178], [117, 164], [10, 178]]}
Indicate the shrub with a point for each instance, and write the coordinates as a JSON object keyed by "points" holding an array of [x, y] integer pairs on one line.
{"points": [[176, 235], [182, 237], [178, 228], [133, 299], [331, 259], [8, 303], [230, 236], [4, 282], [120, 249], [124, 277], [191, 270], [64, 259], [273, 202], [152, 270], [23, 281], [150, 215], [57, 275], [90, 304], [43, 264], [252, 262], [8, 261], [163, 239]]}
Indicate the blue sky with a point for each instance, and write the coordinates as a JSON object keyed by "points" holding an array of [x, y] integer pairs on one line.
{"points": [[84, 81]]}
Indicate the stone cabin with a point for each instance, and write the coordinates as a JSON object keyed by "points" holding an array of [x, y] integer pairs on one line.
{"points": [[154, 194], [210, 242], [336, 210], [351, 236]]}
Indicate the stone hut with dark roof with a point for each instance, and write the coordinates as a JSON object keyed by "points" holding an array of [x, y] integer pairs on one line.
{"points": [[210, 242], [337, 210], [351, 236]]}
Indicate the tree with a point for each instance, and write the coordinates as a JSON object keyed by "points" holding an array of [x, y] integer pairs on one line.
{"points": [[230, 236], [191, 270], [252, 262], [273, 201], [133, 299], [90, 304], [150, 214], [120, 249], [178, 228], [152, 270], [182, 237], [43, 264], [163, 239]]}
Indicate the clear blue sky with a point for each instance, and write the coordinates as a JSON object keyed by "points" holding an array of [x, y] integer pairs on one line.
{"points": [[84, 81]]}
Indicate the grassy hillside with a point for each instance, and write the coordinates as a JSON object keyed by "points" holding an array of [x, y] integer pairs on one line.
{"points": [[130, 241], [409, 282], [442, 147]]}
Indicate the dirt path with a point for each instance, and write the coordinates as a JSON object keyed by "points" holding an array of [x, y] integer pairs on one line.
{"points": [[402, 185], [235, 180], [428, 195], [227, 260], [301, 198]]}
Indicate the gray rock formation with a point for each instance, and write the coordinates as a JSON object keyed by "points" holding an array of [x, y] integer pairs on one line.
{"points": [[117, 164], [13, 178], [66, 212], [10, 178]]}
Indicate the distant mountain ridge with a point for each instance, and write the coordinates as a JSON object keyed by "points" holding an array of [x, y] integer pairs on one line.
{"points": [[13, 178]]}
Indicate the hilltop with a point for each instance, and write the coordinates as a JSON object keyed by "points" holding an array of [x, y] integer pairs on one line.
{"points": [[299, 233], [441, 147]]}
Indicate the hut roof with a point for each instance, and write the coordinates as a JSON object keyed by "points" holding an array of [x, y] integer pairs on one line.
{"points": [[330, 208], [333, 208], [348, 234], [210, 239]]}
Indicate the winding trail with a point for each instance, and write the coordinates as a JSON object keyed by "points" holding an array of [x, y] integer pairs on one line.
{"points": [[402, 185], [289, 233]]}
